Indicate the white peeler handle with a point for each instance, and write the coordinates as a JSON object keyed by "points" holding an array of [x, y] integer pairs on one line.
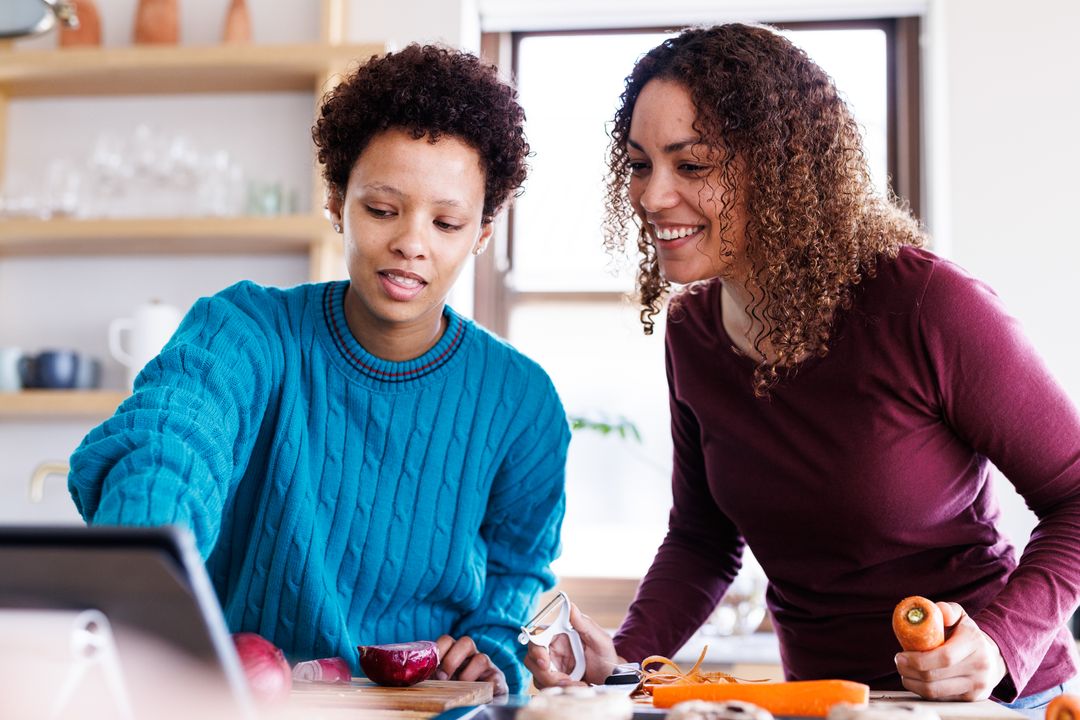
{"points": [[579, 653], [560, 626]]}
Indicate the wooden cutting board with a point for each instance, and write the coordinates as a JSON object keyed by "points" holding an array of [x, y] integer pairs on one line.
{"points": [[981, 710], [430, 696]]}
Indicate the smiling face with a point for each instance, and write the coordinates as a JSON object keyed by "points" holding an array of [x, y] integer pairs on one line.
{"points": [[676, 188], [411, 215]]}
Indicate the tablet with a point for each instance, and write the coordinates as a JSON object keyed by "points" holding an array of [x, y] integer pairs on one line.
{"points": [[134, 605]]}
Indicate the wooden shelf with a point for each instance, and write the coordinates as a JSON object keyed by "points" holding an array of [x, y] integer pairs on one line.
{"points": [[285, 233], [53, 404], [168, 70]]}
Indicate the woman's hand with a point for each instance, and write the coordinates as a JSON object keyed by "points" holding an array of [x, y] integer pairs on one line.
{"points": [[460, 660], [968, 666], [551, 666]]}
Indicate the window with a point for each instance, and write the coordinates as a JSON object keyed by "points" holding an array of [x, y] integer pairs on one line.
{"points": [[556, 295]]}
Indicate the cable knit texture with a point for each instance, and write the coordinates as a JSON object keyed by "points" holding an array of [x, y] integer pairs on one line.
{"points": [[340, 499]]}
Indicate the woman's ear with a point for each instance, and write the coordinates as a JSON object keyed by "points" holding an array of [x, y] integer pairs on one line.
{"points": [[335, 200], [486, 231]]}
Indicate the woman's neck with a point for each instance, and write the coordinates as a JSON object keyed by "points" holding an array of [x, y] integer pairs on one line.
{"points": [[742, 327], [394, 342]]}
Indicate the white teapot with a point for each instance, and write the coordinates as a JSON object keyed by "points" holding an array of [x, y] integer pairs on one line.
{"points": [[148, 331]]}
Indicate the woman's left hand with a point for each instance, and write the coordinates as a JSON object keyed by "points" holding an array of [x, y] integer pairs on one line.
{"points": [[968, 666], [460, 660]]}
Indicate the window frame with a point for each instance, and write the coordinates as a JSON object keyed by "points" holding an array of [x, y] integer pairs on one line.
{"points": [[494, 297]]}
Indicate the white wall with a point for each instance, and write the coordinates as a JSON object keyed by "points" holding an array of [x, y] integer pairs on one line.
{"points": [[1009, 151]]}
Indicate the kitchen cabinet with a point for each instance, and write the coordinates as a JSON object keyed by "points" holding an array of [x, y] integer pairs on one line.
{"points": [[170, 70]]}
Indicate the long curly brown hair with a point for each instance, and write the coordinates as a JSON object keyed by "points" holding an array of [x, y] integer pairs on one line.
{"points": [[815, 226], [426, 90]]}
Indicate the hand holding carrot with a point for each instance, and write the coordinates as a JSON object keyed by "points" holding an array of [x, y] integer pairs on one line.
{"points": [[965, 664]]}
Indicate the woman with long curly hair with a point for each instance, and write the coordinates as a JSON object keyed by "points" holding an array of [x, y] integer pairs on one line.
{"points": [[359, 463], [837, 394]]}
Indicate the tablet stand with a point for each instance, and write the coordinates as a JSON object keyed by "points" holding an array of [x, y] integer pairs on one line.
{"points": [[73, 646]]}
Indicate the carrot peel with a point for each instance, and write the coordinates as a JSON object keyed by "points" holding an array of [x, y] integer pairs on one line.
{"points": [[810, 698], [675, 675], [918, 624]]}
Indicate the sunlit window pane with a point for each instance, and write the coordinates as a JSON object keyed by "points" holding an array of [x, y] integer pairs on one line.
{"points": [[606, 370], [857, 60], [557, 240]]}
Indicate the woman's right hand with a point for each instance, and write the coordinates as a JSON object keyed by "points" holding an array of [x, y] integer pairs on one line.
{"points": [[551, 666]]}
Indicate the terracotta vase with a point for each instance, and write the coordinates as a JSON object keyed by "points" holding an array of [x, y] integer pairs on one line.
{"points": [[89, 31], [157, 22], [237, 23]]}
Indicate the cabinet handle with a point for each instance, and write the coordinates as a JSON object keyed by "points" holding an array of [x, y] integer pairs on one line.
{"points": [[41, 472]]}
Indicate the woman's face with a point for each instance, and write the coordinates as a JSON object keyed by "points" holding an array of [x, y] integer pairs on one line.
{"points": [[676, 188], [411, 216]]}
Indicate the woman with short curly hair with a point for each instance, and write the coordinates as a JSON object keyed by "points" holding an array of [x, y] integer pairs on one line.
{"points": [[837, 393], [359, 463]]}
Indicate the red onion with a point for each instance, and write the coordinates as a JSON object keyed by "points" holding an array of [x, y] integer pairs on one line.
{"points": [[327, 670], [399, 664], [267, 670]]}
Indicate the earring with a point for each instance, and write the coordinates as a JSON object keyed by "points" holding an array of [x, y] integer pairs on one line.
{"points": [[337, 227], [478, 249]]}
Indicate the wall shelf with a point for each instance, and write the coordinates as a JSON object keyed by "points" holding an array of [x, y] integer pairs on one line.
{"points": [[171, 70], [53, 404], [287, 233]]}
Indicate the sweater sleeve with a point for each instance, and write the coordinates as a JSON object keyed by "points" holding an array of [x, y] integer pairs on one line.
{"points": [[176, 446], [521, 531], [999, 396], [697, 560]]}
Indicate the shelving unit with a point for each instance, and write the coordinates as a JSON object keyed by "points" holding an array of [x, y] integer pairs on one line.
{"points": [[158, 70]]}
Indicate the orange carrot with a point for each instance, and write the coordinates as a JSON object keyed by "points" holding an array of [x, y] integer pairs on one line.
{"points": [[811, 698], [1064, 707], [918, 624]]}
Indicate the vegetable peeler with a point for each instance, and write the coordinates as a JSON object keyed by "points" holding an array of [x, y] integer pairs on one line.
{"points": [[557, 615]]}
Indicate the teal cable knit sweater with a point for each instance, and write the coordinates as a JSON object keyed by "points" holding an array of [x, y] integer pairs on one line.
{"points": [[340, 499]]}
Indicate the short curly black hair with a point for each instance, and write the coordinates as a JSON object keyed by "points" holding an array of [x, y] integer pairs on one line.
{"points": [[428, 91]]}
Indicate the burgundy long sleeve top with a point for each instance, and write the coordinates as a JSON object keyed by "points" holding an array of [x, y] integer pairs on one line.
{"points": [[865, 477]]}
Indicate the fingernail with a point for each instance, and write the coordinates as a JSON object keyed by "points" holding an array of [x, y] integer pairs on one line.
{"points": [[900, 660], [440, 675]]}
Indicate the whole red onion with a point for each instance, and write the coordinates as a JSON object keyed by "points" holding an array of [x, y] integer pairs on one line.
{"points": [[327, 670], [399, 664], [265, 666]]}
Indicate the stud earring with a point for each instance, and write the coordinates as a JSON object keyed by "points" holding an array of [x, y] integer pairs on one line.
{"points": [[478, 249], [337, 227]]}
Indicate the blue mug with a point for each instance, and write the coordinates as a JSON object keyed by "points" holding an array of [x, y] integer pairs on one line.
{"points": [[88, 374], [28, 371], [56, 369]]}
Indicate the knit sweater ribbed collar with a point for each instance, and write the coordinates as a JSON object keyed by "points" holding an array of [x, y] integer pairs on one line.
{"points": [[377, 373]]}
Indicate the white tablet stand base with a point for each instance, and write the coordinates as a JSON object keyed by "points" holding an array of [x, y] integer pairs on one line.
{"points": [[59, 662]]}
